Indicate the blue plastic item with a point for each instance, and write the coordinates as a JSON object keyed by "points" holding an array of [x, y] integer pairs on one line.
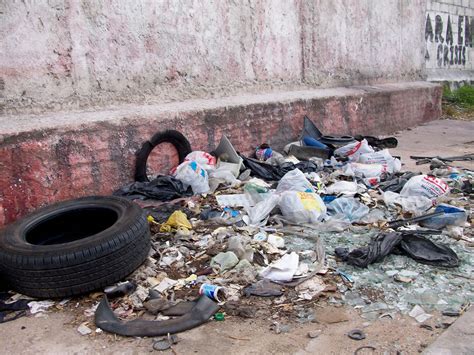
{"points": [[328, 198], [452, 216], [311, 142]]}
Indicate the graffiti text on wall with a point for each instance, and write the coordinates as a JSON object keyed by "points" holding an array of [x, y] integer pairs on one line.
{"points": [[452, 41]]}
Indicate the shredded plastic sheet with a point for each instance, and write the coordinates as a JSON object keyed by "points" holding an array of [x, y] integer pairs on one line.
{"points": [[283, 269]]}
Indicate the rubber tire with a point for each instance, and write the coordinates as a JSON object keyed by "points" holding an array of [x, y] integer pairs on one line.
{"points": [[80, 266], [174, 137]]}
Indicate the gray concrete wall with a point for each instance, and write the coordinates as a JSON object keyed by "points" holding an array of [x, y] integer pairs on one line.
{"points": [[67, 54], [449, 35]]}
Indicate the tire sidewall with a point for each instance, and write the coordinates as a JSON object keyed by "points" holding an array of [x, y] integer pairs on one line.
{"points": [[13, 238]]}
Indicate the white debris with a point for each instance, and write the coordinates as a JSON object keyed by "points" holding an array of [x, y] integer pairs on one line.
{"points": [[39, 306]]}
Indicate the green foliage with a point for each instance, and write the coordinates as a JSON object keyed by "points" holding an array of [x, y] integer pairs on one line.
{"points": [[464, 96]]}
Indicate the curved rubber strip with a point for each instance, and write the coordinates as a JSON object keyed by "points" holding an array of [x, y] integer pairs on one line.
{"points": [[106, 320], [179, 309]]}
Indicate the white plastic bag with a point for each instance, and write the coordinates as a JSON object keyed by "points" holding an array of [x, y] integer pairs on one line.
{"points": [[224, 176], [190, 173], [259, 213], [294, 180], [383, 157], [302, 207], [354, 150], [348, 208], [413, 204], [347, 188], [425, 185], [205, 160], [364, 170]]}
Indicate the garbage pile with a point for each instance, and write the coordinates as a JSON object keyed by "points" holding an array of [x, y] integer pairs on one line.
{"points": [[329, 217]]}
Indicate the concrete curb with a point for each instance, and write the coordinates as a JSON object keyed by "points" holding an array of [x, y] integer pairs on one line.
{"points": [[457, 339]]}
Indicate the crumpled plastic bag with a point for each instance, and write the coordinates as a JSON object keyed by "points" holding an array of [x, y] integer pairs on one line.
{"points": [[274, 173], [365, 170], [259, 213], [413, 204], [348, 208], [383, 157], [354, 150], [221, 176], [294, 180], [347, 188], [425, 185], [177, 220], [162, 188], [190, 173], [205, 160], [302, 207]]}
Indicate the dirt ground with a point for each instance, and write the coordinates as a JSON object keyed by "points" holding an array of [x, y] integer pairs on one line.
{"points": [[56, 332]]}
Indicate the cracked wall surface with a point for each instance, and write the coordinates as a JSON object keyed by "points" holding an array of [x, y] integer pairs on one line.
{"points": [[72, 54]]}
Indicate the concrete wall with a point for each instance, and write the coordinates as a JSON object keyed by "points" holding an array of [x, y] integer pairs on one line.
{"points": [[67, 54], [449, 35]]}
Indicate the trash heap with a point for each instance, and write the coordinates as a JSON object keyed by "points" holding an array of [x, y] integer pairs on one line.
{"points": [[328, 217]]}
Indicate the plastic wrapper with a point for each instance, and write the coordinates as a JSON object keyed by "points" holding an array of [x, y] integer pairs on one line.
{"points": [[453, 216], [294, 180], [190, 173], [354, 150], [348, 208], [177, 220], [263, 153], [302, 207], [383, 157], [425, 185], [205, 160]]}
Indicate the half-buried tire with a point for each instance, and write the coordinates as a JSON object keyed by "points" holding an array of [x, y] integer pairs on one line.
{"points": [[74, 247], [182, 145]]}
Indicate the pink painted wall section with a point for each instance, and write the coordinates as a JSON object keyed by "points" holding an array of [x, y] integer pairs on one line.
{"points": [[68, 54], [44, 165]]}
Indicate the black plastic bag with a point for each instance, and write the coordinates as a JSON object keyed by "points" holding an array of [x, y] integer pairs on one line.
{"points": [[415, 246], [163, 188], [274, 173], [426, 252], [395, 182], [376, 251]]}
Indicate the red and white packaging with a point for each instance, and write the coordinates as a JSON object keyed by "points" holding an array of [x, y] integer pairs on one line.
{"points": [[381, 157], [205, 160], [425, 185], [354, 150]]}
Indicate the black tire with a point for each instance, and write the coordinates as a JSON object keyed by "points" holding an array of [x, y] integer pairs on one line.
{"points": [[74, 247], [174, 137]]}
